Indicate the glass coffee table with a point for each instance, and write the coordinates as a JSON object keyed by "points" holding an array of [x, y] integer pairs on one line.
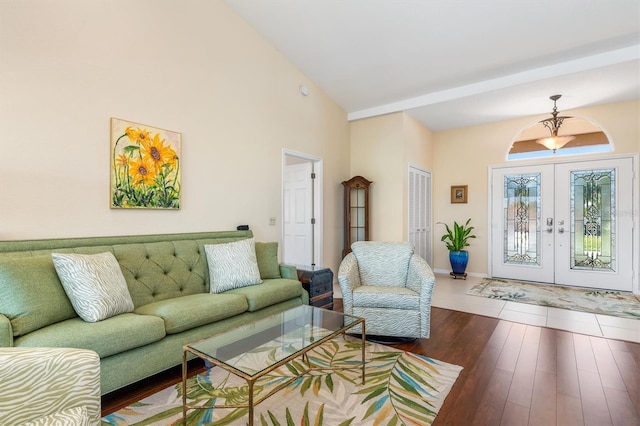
{"points": [[269, 344]]}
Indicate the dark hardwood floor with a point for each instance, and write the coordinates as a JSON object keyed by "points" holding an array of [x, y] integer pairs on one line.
{"points": [[514, 374]]}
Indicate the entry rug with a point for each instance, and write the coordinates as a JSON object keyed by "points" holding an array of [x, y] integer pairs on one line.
{"points": [[605, 302], [401, 389]]}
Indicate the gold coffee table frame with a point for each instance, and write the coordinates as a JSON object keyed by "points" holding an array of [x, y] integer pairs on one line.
{"points": [[222, 349]]}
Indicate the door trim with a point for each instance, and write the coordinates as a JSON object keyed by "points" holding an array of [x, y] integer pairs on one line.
{"points": [[317, 201], [635, 194]]}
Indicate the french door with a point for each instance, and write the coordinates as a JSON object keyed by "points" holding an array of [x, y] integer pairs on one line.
{"points": [[565, 223]]}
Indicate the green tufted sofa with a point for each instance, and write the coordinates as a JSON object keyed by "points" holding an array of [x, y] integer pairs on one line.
{"points": [[168, 279]]}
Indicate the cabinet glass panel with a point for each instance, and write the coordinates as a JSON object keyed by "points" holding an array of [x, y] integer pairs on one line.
{"points": [[357, 215], [357, 197]]}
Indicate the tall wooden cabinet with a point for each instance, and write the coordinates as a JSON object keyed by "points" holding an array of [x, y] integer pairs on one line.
{"points": [[356, 211]]}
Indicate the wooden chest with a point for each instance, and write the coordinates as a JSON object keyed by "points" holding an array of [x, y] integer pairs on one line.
{"points": [[318, 282]]}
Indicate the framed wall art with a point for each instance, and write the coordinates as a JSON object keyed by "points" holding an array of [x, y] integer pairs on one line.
{"points": [[459, 194], [145, 166]]}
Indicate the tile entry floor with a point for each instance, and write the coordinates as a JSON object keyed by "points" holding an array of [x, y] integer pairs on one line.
{"points": [[451, 294]]}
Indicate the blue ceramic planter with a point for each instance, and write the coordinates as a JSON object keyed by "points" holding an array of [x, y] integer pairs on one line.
{"points": [[459, 260]]}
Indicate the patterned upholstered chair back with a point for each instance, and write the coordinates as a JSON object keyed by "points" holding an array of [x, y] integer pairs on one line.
{"points": [[382, 263]]}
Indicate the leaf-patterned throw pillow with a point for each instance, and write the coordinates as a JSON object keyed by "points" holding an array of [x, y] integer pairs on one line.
{"points": [[94, 283], [232, 265]]}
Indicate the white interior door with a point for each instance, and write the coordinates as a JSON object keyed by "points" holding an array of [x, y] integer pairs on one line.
{"points": [[419, 225], [566, 223], [298, 214]]}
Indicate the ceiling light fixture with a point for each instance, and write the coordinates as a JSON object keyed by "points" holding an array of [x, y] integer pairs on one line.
{"points": [[553, 124]]}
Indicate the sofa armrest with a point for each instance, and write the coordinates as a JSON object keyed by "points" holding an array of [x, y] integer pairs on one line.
{"points": [[6, 332], [37, 382], [288, 271]]}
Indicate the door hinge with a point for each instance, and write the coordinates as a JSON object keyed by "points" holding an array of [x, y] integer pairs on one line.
{"points": [[313, 175], [313, 220]]}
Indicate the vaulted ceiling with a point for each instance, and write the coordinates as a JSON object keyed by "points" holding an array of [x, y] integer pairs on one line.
{"points": [[455, 63]]}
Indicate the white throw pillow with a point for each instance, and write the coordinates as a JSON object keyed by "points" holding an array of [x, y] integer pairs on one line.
{"points": [[94, 283], [232, 265]]}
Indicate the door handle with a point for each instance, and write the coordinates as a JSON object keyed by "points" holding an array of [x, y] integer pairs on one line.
{"points": [[561, 230], [549, 229]]}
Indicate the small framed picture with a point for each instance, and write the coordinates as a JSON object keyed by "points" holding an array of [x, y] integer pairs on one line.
{"points": [[459, 194]]}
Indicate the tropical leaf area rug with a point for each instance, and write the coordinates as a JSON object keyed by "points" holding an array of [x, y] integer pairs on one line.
{"points": [[605, 302], [401, 388]]}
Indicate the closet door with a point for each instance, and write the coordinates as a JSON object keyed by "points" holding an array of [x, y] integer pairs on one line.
{"points": [[419, 225]]}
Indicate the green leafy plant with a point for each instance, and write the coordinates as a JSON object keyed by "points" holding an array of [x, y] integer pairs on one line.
{"points": [[457, 237]]}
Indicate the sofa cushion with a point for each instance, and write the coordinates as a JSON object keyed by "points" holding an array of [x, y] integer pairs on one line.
{"points": [[383, 263], [31, 294], [232, 265], [111, 336], [269, 292], [187, 312], [267, 257], [386, 297], [94, 283]]}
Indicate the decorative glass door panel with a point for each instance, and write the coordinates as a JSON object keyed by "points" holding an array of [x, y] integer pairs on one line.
{"points": [[593, 220], [522, 219], [566, 223]]}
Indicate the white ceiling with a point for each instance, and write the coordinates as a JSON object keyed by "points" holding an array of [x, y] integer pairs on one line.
{"points": [[455, 63]]}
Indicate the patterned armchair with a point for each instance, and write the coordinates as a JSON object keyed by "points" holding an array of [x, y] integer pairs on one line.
{"points": [[389, 286], [43, 386]]}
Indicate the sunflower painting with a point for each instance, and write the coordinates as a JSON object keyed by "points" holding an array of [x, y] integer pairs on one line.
{"points": [[145, 166]]}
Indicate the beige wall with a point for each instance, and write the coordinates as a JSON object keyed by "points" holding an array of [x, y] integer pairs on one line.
{"points": [[376, 155], [381, 150], [418, 143], [191, 67], [465, 155]]}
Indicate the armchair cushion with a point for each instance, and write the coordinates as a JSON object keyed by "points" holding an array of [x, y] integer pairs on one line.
{"points": [[383, 263], [76, 416], [367, 296], [39, 382]]}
